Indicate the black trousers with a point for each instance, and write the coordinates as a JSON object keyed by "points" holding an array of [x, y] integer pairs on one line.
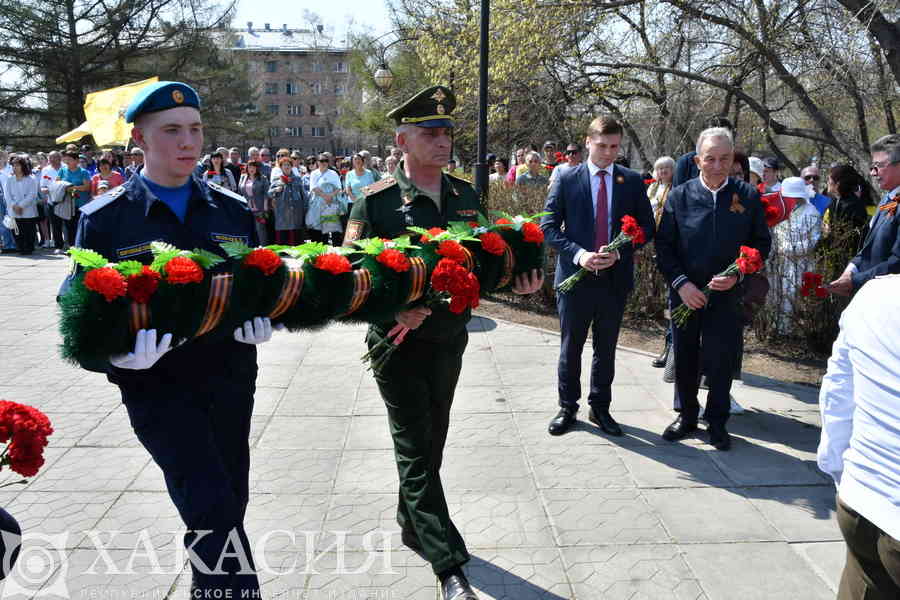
{"points": [[198, 434], [417, 386], [71, 228], [872, 571], [708, 342], [27, 234], [56, 229], [595, 305]]}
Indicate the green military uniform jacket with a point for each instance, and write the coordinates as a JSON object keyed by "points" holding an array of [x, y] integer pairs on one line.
{"points": [[393, 204]]}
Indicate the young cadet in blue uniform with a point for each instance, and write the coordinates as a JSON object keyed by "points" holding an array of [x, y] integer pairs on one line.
{"points": [[418, 383], [189, 405], [704, 224]]}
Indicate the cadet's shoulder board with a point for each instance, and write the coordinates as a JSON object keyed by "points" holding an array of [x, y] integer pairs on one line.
{"points": [[225, 191], [102, 200], [378, 186]]}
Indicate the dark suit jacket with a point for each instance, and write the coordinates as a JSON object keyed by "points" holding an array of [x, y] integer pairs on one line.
{"points": [[685, 169], [570, 225], [880, 253]]}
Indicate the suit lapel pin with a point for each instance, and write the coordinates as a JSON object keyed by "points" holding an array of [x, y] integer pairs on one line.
{"points": [[736, 206], [620, 179]]}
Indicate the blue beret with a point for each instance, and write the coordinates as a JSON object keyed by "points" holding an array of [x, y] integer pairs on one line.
{"points": [[161, 95]]}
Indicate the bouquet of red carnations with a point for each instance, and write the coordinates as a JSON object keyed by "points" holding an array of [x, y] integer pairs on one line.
{"points": [[749, 261], [24, 429], [631, 233], [811, 285]]}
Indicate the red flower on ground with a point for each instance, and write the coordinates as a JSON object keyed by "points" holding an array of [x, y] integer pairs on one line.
{"points": [[263, 259], [492, 243], [452, 250], [142, 286], [183, 270], [532, 233], [749, 261], [393, 259], [432, 233], [106, 281], [333, 263], [27, 429], [631, 228]]}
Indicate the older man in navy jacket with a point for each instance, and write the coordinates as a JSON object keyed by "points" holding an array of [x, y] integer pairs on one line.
{"points": [[586, 206], [880, 252], [704, 224]]}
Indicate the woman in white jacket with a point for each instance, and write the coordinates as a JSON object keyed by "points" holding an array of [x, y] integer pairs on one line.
{"points": [[21, 203]]}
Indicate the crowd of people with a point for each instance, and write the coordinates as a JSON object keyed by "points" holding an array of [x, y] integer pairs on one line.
{"points": [[293, 197]]}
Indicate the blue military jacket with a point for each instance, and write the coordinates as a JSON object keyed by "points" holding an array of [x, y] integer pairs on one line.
{"points": [[122, 224]]}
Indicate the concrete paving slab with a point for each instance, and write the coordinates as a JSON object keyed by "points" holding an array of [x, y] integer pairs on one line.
{"points": [[590, 518]]}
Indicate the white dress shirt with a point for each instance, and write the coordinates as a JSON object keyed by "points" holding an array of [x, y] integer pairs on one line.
{"points": [[860, 406], [595, 190]]}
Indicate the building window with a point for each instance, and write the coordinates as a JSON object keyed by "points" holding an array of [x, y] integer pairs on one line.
{"points": [[271, 66], [271, 88], [295, 110], [294, 131], [338, 90], [318, 67], [317, 131], [340, 67], [290, 88], [315, 87], [272, 109], [312, 110], [274, 131]]}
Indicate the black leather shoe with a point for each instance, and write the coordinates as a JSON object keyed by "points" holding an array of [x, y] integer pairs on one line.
{"points": [[563, 421], [660, 361], [678, 430], [455, 587], [410, 540], [604, 421], [719, 437]]}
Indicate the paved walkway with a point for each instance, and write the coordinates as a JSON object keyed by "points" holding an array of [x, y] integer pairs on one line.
{"points": [[581, 516]]}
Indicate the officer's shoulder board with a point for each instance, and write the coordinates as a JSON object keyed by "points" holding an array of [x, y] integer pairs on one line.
{"points": [[226, 192], [379, 186], [103, 200], [458, 185]]}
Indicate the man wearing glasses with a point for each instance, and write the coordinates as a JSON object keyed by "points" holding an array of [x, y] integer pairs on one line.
{"points": [[811, 177], [880, 253], [573, 159], [137, 163]]}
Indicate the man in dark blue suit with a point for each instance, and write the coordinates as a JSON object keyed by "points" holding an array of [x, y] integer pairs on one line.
{"points": [[586, 206], [880, 253]]}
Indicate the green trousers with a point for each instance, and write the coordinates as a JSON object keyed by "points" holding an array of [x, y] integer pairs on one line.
{"points": [[872, 571], [417, 386]]}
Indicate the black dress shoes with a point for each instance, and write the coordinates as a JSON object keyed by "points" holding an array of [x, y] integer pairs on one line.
{"points": [[678, 430], [563, 421], [455, 587], [660, 361], [604, 420], [719, 437]]}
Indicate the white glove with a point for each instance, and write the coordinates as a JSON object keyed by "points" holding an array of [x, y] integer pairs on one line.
{"points": [[146, 351], [257, 331]]}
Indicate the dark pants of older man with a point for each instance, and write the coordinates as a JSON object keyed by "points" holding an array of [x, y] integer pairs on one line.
{"points": [[872, 571], [708, 342]]}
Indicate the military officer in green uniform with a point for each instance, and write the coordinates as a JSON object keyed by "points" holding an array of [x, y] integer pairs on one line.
{"points": [[418, 382]]}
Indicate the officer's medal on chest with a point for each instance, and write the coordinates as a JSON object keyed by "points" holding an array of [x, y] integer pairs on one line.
{"points": [[405, 209], [736, 206]]}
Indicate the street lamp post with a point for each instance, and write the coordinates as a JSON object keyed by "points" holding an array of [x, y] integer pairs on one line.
{"points": [[481, 166]]}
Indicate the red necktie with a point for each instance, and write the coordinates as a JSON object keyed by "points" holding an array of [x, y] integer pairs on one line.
{"points": [[601, 226]]}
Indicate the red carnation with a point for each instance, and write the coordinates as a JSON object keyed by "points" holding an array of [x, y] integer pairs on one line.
{"points": [[285, 179], [749, 261], [504, 221], [141, 286], [27, 429], [432, 233], [333, 263], [452, 250], [393, 259], [492, 243], [532, 233], [821, 292], [772, 215], [631, 228], [263, 259], [106, 281], [182, 270], [445, 273]]}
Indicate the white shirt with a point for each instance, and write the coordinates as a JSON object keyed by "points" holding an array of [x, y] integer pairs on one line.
{"points": [[860, 406], [595, 190], [318, 178], [24, 194], [47, 176]]}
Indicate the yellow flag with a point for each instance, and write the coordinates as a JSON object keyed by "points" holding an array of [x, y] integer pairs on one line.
{"points": [[74, 135], [105, 112]]}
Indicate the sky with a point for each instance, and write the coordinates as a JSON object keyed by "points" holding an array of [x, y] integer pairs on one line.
{"points": [[361, 15]]}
